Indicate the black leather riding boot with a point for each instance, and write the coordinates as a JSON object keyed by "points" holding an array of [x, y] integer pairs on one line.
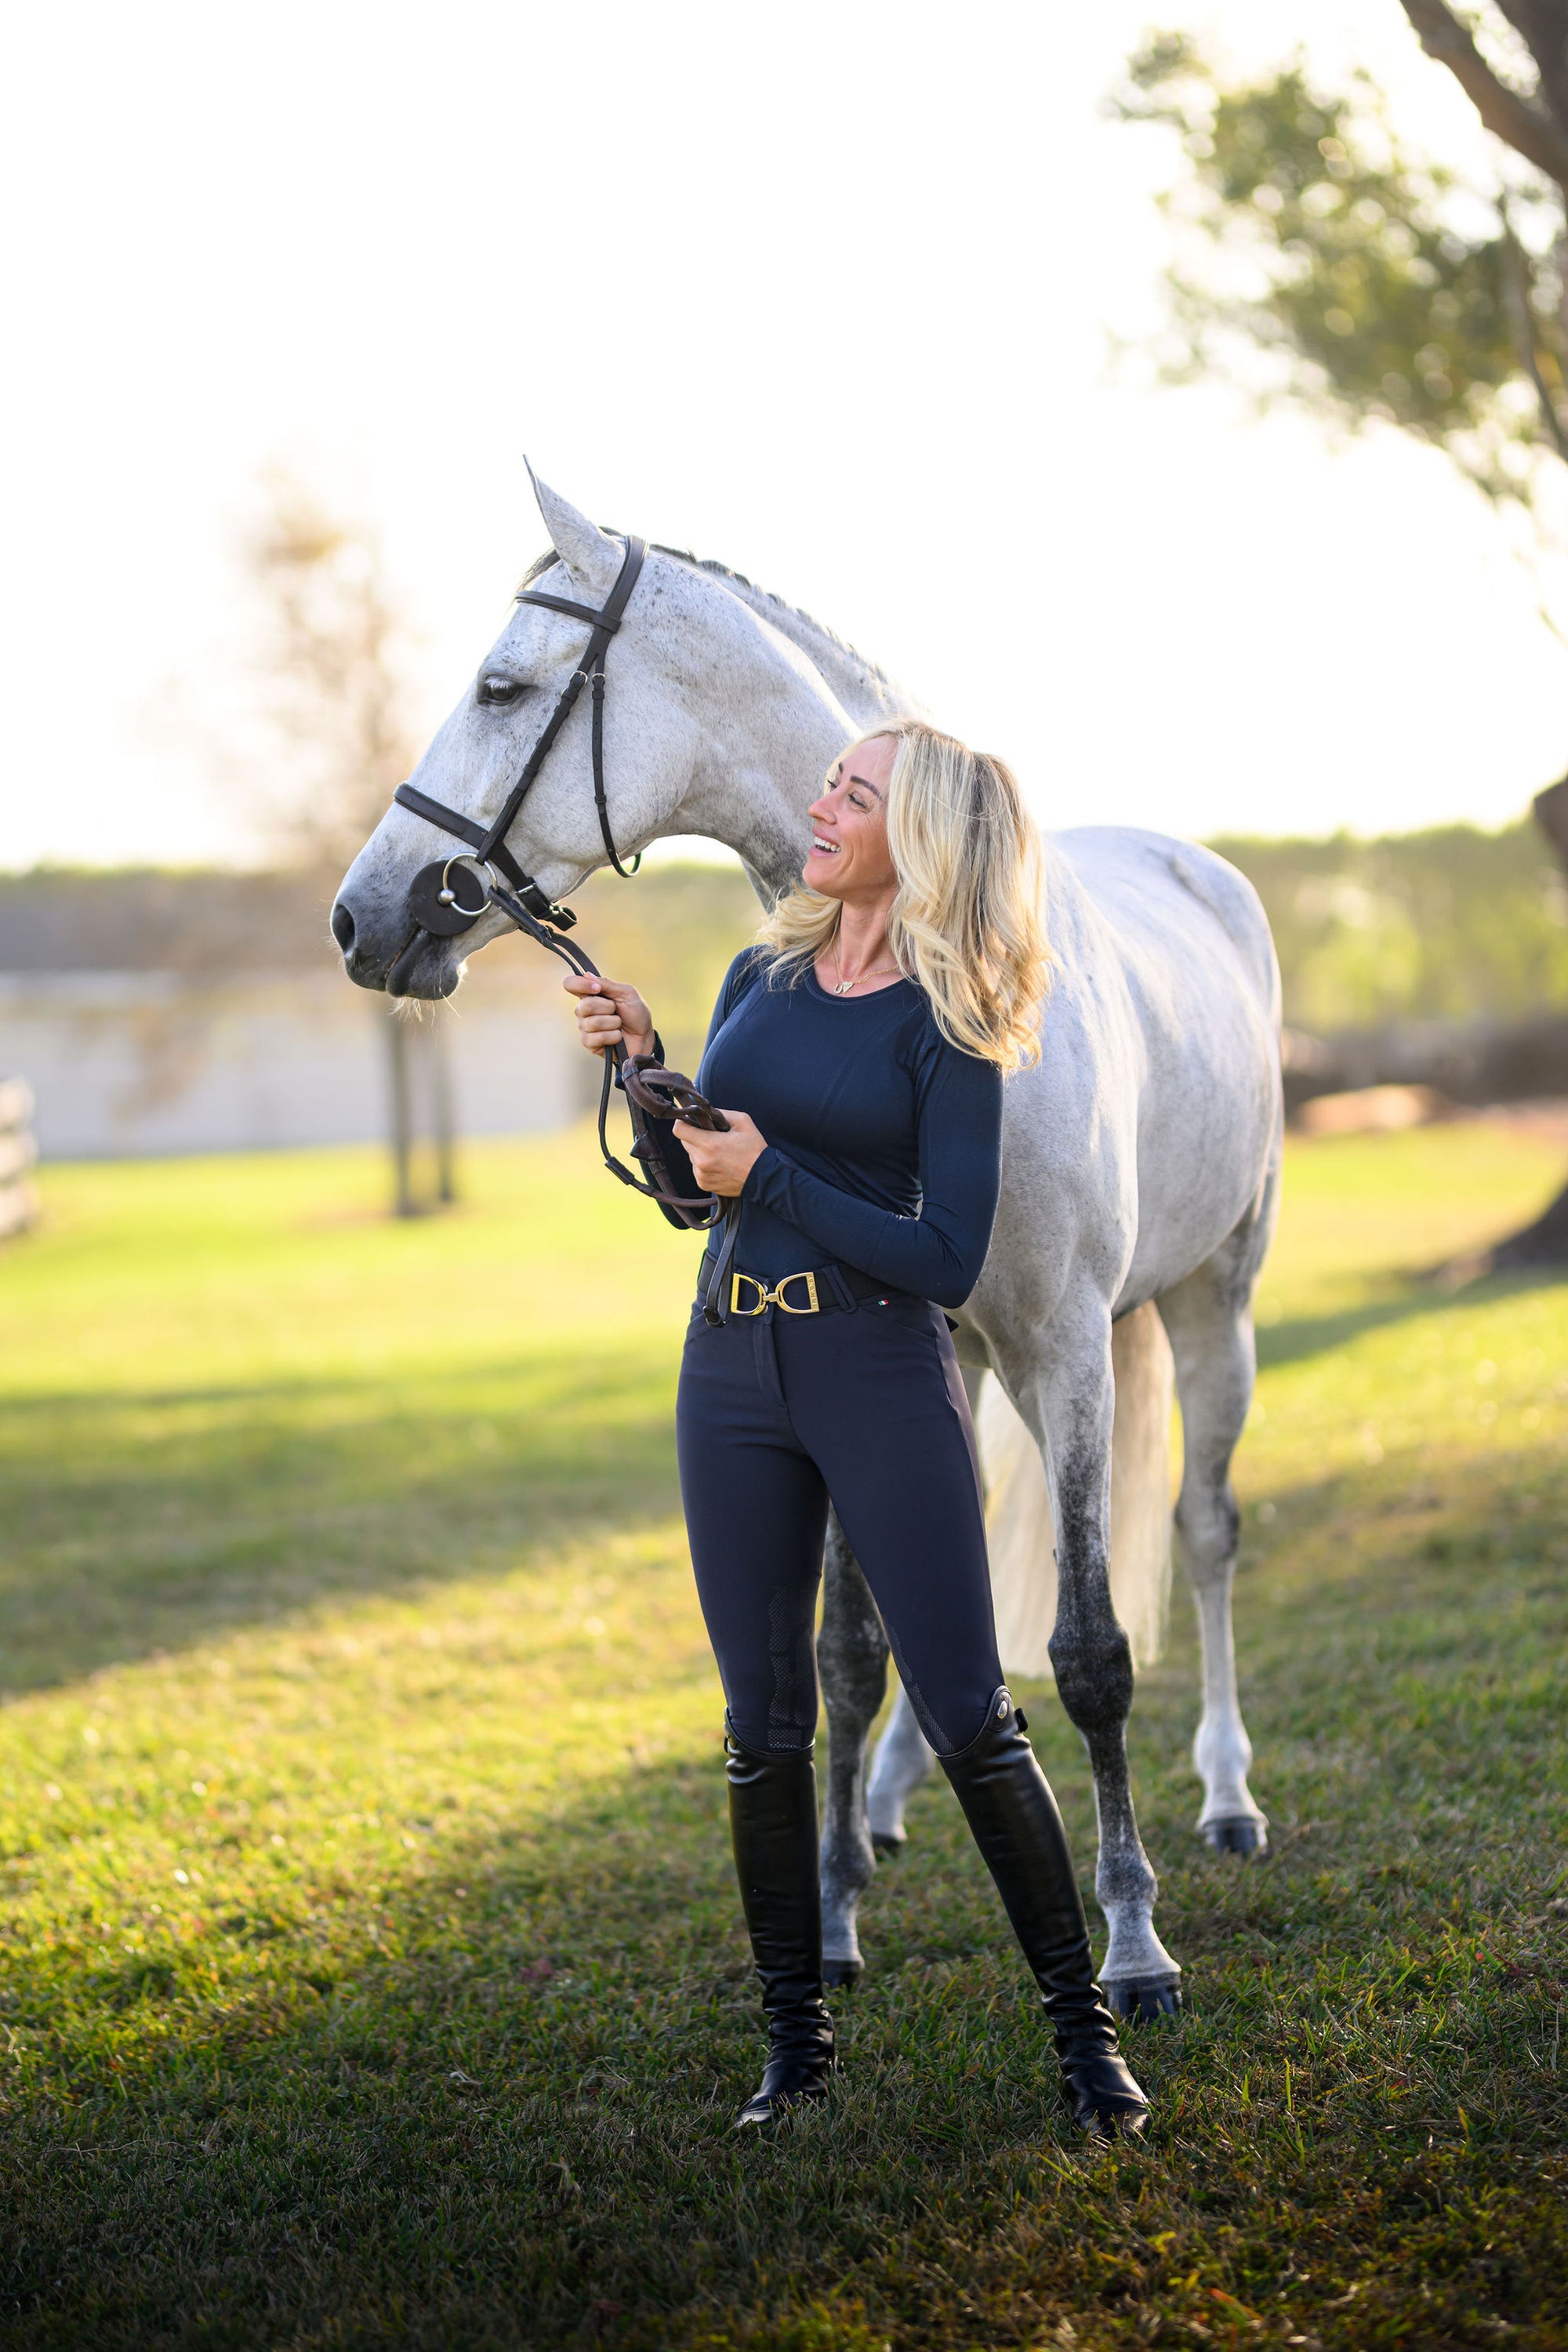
{"points": [[773, 1823], [1009, 1804]]}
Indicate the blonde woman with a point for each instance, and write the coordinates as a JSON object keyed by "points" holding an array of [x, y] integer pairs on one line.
{"points": [[858, 1054]]}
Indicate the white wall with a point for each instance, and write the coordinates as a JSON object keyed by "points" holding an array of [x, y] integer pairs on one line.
{"points": [[123, 1064]]}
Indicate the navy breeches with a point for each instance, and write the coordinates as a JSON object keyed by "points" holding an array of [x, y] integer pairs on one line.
{"points": [[777, 1415]]}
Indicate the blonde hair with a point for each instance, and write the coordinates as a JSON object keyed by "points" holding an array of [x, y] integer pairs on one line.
{"points": [[968, 922]]}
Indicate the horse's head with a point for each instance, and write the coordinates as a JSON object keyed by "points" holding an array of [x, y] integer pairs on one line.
{"points": [[650, 747]]}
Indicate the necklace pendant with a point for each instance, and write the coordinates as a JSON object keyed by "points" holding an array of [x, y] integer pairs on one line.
{"points": [[842, 987]]}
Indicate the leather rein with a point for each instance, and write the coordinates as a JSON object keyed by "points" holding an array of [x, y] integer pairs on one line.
{"points": [[655, 1096]]}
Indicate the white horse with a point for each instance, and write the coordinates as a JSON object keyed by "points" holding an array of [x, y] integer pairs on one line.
{"points": [[1140, 1177]]}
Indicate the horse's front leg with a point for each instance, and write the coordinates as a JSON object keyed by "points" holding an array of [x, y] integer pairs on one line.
{"points": [[904, 1758], [1071, 1402], [852, 1659]]}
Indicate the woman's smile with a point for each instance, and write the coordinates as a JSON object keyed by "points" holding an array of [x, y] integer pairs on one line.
{"points": [[849, 827]]}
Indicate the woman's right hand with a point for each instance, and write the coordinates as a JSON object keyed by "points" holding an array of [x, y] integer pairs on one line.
{"points": [[610, 1012]]}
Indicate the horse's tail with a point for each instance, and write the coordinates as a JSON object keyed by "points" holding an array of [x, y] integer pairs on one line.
{"points": [[1018, 1511]]}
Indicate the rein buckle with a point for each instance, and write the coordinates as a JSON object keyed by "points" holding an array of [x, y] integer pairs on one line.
{"points": [[773, 1297]]}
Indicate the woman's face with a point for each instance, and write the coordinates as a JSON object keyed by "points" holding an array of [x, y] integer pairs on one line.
{"points": [[849, 853]]}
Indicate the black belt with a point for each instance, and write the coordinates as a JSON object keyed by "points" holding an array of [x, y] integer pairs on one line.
{"points": [[815, 1290]]}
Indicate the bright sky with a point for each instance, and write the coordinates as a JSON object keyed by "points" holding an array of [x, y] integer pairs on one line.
{"points": [[820, 290]]}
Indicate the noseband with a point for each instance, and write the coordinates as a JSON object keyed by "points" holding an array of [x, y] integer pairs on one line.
{"points": [[654, 1095]]}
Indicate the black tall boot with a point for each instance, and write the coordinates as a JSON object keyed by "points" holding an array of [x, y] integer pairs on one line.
{"points": [[772, 1824], [1009, 1804]]}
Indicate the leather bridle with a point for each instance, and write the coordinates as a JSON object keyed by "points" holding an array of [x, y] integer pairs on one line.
{"points": [[431, 901], [653, 1093]]}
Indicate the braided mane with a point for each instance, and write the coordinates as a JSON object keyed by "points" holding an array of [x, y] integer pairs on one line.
{"points": [[792, 620]]}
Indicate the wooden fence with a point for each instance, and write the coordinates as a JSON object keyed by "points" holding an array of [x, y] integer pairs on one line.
{"points": [[18, 1202]]}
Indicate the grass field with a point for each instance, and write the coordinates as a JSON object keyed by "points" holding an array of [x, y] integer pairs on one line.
{"points": [[370, 1966]]}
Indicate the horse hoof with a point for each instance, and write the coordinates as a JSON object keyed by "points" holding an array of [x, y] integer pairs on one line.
{"points": [[1143, 2003], [837, 1973], [1235, 1833], [886, 1843]]}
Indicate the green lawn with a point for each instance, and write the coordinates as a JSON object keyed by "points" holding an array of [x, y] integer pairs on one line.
{"points": [[370, 1966]]}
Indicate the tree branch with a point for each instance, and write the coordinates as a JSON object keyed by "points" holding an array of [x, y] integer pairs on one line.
{"points": [[1518, 122], [1543, 26], [1516, 295]]}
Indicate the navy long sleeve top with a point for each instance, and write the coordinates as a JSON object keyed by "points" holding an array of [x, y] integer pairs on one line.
{"points": [[884, 1141]]}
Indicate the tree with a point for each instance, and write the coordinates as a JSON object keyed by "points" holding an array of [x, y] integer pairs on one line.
{"points": [[330, 671], [331, 700], [1320, 261]]}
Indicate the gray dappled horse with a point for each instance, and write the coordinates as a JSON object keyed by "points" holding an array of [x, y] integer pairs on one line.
{"points": [[1140, 1158]]}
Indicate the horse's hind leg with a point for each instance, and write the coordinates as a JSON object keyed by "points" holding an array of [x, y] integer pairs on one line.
{"points": [[1209, 1320], [1068, 1398], [852, 1661]]}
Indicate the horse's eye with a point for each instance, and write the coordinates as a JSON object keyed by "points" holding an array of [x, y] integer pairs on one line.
{"points": [[496, 688]]}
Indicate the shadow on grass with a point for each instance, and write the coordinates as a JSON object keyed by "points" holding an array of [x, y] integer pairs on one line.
{"points": [[1294, 1338], [490, 2106], [143, 1523], [495, 2110]]}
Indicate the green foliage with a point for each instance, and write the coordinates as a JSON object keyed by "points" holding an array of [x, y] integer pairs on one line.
{"points": [[1376, 284], [371, 1968], [1445, 925]]}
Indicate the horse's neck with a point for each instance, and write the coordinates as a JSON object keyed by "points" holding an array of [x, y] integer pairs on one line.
{"points": [[863, 690], [772, 721]]}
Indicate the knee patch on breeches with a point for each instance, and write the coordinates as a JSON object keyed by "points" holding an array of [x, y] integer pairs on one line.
{"points": [[792, 1654]]}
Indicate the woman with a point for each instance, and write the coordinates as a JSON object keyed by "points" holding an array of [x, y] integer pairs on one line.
{"points": [[859, 1054]]}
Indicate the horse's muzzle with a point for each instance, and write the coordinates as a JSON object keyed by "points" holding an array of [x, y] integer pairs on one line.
{"points": [[424, 967], [405, 960]]}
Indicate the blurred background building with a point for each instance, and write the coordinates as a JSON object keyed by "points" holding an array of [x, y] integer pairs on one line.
{"points": [[155, 1012], [171, 1012], [158, 1011]]}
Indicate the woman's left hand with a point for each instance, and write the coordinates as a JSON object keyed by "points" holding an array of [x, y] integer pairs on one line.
{"points": [[722, 1163]]}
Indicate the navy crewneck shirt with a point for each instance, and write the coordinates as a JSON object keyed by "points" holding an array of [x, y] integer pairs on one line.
{"points": [[884, 1139]]}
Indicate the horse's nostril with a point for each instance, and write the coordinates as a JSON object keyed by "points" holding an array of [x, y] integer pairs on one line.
{"points": [[342, 924]]}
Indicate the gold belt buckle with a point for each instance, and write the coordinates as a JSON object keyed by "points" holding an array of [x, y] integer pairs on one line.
{"points": [[782, 1303], [773, 1297]]}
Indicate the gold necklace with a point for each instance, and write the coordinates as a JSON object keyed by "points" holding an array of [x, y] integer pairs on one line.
{"points": [[841, 987]]}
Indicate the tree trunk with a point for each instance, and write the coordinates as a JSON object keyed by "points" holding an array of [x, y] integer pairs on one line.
{"points": [[441, 1122], [419, 1101], [400, 1106], [1544, 1242]]}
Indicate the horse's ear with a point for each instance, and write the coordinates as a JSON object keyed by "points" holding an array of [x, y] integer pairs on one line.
{"points": [[583, 547]]}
